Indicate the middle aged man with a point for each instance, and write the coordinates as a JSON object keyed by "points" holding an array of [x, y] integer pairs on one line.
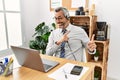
{"points": [[68, 41]]}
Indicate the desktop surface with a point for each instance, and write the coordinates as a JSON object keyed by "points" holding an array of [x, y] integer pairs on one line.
{"points": [[24, 73]]}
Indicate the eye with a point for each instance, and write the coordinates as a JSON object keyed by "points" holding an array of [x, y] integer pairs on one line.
{"points": [[58, 18]]}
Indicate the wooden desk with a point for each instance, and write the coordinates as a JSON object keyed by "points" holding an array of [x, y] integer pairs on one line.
{"points": [[24, 73]]}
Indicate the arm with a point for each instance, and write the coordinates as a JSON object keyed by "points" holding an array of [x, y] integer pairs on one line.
{"points": [[51, 47], [89, 44]]}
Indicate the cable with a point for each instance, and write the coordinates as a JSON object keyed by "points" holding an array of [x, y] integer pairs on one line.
{"points": [[71, 51]]}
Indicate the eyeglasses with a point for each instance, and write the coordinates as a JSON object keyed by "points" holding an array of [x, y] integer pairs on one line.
{"points": [[58, 18]]}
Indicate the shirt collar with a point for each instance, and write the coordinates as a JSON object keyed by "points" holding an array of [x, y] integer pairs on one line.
{"points": [[68, 28]]}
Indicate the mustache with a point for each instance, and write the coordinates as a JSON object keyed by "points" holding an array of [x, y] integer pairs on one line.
{"points": [[60, 23]]}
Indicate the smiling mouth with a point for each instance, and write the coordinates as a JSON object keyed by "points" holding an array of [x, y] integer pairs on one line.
{"points": [[60, 23]]}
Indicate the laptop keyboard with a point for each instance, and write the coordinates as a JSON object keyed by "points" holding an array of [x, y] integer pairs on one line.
{"points": [[46, 66]]}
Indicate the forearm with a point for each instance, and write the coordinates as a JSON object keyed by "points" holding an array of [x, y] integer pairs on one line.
{"points": [[50, 50]]}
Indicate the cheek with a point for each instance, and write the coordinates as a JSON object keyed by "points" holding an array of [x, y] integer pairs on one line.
{"points": [[58, 21]]}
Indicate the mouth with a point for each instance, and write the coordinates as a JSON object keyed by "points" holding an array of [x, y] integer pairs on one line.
{"points": [[60, 23]]}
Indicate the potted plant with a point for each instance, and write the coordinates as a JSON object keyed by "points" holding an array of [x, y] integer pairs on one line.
{"points": [[96, 74], [42, 32], [96, 55]]}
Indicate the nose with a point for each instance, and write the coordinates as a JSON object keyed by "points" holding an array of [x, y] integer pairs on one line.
{"points": [[57, 21]]}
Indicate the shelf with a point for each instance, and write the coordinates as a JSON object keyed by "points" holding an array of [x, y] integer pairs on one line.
{"points": [[103, 42], [82, 16], [97, 63], [89, 25]]}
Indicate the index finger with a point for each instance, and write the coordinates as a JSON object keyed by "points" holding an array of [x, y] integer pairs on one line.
{"points": [[92, 39], [67, 33]]}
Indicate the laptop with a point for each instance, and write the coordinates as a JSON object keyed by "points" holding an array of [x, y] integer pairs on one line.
{"points": [[31, 58]]}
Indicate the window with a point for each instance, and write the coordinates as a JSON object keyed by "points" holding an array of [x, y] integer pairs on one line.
{"points": [[10, 24]]}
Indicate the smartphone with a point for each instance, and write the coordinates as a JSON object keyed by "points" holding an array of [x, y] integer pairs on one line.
{"points": [[76, 70]]}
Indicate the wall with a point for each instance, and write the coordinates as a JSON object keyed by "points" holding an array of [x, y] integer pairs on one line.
{"points": [[36, 11], [108, 10]]}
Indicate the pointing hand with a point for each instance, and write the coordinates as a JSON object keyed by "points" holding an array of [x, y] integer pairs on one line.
{"points": [[91, 44]]}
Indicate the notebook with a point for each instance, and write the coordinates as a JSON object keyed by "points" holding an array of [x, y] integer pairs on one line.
{"points": [[31, 58]]}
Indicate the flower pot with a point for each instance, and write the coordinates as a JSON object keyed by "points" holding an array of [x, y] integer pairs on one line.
{"points": [[96, 58]]}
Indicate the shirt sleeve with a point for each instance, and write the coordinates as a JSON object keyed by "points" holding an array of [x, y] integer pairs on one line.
{"points": [[84, 37], [51, 47], [93, 52], [85, 40]]}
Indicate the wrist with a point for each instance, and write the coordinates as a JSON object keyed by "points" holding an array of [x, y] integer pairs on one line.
{"points": [[92, 52], [58, 42]]}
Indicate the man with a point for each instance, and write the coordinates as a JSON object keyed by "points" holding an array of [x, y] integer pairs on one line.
{"points": [[75, 38]]}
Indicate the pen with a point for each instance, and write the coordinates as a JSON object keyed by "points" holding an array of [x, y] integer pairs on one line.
{"points": [[7, 67], [65, 74]]}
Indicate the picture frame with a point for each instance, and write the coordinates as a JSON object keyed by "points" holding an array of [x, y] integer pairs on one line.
{"points": [[71, 5]]}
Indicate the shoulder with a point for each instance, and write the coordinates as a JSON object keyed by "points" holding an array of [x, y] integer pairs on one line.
{"points": [[56, 31], [77, 28]]}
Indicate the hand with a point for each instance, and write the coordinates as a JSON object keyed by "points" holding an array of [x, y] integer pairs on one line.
{"points": [[91, 44], [63, 38]]}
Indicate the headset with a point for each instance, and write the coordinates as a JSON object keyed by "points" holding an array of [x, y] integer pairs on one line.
{"points": [[65, 11]]}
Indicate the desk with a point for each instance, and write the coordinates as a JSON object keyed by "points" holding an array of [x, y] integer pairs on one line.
{"points": [[24, 73]]}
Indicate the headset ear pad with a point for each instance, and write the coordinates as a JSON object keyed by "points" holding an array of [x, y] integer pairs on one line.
{"points": [[66, 13]]}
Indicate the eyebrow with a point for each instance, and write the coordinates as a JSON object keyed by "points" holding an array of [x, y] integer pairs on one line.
{"points": [[57, 17]]}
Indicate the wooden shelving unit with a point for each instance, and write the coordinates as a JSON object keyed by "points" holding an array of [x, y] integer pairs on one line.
{"points": [[89, 24]]}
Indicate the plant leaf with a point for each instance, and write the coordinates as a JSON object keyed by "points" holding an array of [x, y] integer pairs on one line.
{"points": [[53, 24]]}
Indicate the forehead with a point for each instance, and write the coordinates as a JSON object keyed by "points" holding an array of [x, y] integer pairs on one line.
{"points": [[58, 14]]}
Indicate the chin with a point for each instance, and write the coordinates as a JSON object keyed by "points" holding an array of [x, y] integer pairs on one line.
{"points": [[60, 26]]}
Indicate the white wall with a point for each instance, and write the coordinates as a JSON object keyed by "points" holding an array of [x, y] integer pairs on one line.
{"points": [[109, 11], [36, 11]]}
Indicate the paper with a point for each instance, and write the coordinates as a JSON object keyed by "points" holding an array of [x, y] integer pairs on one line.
{"points": [[77, 3], [56, 3], [65, 70]]}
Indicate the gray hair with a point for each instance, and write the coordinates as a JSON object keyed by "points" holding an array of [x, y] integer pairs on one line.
{"points": [[65, 11]]}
